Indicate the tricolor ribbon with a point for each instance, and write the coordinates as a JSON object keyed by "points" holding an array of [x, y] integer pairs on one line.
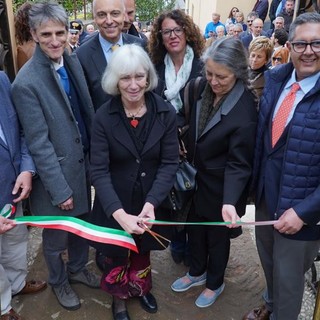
{"points": [[211, 223], [7, 211], [79, 227]]}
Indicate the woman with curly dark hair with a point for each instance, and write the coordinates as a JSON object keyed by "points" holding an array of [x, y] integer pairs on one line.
{"points": [[25, 43], [175, 47]]}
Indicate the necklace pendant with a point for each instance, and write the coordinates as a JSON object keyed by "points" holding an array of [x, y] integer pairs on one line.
{"points": [[134, 122]]}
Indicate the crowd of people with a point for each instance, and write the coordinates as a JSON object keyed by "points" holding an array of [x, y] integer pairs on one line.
{"points": [[101, 106]]}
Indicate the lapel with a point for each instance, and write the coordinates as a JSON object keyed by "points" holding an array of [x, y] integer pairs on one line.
{"points": [[121, 134], [6, 125], [278, 87], [97, 56], [228, 104], [73, 74], [119, 131], [155, 134]]}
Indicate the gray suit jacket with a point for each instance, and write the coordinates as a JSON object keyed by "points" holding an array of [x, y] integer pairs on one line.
{"points": [[94, 63], [52, 133], [17, 152]]}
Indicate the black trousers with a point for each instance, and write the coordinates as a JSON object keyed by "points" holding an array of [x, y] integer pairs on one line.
{"points": [[209, 250]]}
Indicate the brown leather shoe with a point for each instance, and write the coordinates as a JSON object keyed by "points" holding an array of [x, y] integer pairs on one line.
{"points": [[260, 313], [33, 286], [11, 315]]}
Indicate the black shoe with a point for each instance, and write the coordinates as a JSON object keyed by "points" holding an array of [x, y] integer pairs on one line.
{"points": [[122, 315], [149, 303]]}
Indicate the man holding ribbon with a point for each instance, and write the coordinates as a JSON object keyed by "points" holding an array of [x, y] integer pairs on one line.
{"points": [[287, 172], [16, 168], [55, 111]]}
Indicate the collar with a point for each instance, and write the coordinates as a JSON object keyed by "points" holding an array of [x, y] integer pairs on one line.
{"points": [[306, 84], [106, 45], [58, 65]]}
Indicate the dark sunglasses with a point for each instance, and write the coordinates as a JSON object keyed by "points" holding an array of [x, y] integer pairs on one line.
{"points": [[277, 59]]}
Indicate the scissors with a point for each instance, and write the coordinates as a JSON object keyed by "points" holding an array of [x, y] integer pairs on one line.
{"points": [[154, 234]]}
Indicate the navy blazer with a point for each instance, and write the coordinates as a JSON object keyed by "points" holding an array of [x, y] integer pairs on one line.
{"points": [[246, 39], [15, 142], [288, 175], [94, 63]]}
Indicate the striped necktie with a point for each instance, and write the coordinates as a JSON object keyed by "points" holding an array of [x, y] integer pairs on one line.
{"points": [[115, 47]]}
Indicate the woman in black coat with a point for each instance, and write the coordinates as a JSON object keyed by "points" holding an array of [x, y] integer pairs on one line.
{"points": [[220, 144], [134, 157]]}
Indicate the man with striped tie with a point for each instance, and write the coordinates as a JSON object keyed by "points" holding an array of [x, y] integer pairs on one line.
{"points": [[94, 54]]}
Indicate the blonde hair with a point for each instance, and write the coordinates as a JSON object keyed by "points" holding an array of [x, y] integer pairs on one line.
{"points": [[262, 43]]}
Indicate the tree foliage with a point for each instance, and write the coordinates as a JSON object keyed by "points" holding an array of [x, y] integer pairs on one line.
{"points": [[147, 10], [69, 5]]}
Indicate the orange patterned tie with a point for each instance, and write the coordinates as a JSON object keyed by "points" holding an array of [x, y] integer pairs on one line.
{"points": [[281, 117]]}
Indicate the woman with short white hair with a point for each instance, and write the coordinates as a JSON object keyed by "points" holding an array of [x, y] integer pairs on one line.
{"points": [[134, 158]]}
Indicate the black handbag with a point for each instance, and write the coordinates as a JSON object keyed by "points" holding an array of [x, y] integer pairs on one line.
{"points": [[185, 182], [184, 185]]}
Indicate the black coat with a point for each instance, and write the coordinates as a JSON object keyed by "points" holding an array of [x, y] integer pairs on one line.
{"points": [[116, 165], [223, 153]]}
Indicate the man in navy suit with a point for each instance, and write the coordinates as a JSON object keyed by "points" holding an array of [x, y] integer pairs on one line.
{"points": [[16, 168], [94, 54], [257, 31]]}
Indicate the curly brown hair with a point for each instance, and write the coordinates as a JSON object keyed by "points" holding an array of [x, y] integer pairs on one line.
{"points": [[21, 23], [194, 37]]}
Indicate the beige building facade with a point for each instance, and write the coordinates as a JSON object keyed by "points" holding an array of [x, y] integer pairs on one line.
{"points": [[201, 10]]}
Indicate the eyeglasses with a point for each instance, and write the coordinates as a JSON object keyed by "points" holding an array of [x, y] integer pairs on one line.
{"points": [[301, 46], [279, 59], [166, 33]]}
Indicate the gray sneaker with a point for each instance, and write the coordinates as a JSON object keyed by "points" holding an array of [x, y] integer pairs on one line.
{"points": [[67, 297], [90, 279]]}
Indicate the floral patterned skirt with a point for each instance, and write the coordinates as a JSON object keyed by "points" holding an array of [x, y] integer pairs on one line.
{"points": [[127, 277]]}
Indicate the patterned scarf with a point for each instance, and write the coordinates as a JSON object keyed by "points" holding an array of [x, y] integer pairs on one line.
{"points": [[207, 110], [175, 82]]}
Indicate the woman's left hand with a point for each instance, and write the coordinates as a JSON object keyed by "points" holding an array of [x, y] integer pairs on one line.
{"points": [[229, 214], [147, 212]]}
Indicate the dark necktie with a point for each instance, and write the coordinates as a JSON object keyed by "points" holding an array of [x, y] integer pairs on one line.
{"points": [[64, 79]]}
